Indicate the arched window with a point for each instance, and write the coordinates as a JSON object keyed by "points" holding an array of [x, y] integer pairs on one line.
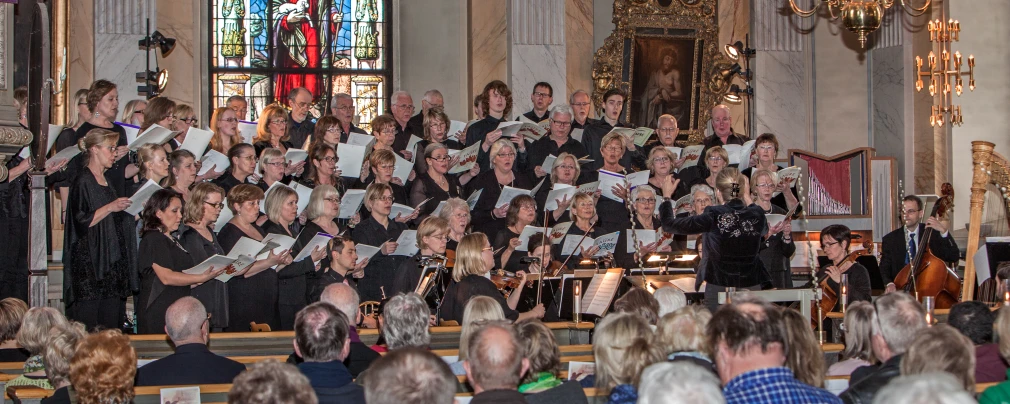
{"points": [[261, 49]]}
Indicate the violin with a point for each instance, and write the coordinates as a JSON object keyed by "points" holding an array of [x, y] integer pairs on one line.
{"points": [[507, 282], [450, 260], [829, 299]]}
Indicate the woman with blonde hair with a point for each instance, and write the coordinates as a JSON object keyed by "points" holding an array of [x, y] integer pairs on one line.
{"points": [[565, 172], [100, 240], [133, 113], [12, 311], [103, 368], [766, 149], [941, 348], [479, 311], [805, 356], [224, 124], [321, 214], [488, 218], [75, 118], [272, 130], [60, 348], [613, 149], [273, 167], [197, 237], [682, 334], [182, 172], [432, 236], [715, 160], [377, 230], [858, 327], [779, 248], [623, 347], [33, 337], [474, 259], [152, 160], [584, 218], [293, 279]]}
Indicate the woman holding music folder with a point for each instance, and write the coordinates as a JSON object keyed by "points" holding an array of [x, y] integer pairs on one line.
{"points": [[457, 213], [612, 148], [224, 124], [161, 262], [474, 259], [766, 149], [522, 212], [243, 164], [488, 217], [273, 168], [322, 212], [103, 102], [271, 131], [322, 163], [196, 235], [252, 297], [436, 127], [378, 230], [565, 172], [583, 225], [431, 240], [294, 278], [435, 184], [733, 233], [779, 247], [643, 199]]}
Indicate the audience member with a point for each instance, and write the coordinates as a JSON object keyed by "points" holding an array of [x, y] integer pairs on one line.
{"points": [[322, 339], [405, 322], [750, 345], [271, 382], [897, 320], [429, 380], [1001, 392], [495, 364], [858, 352], [188, 326], [345, 299], [60, 348], [33, 336], [479, 310], [678, 383], [941, 348], [623, 347], [925, 388], [681, 336], [639, 301], [670, 300], [12, 310], [975, 320], [804, 354], [103, 368], [541, 384]]}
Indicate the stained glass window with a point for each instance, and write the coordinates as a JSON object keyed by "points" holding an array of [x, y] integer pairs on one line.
{"points": [[262, 49]]}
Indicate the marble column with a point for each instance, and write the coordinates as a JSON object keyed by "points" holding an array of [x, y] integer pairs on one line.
{"points": [[81, 47], [536, 51], [783, 78], [488, 44], [118, 26], [734, 24], [888, 67], [579, 46], [185, 20]]}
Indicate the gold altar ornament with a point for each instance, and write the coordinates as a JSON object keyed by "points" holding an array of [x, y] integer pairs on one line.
{"points": [[862, 17]]}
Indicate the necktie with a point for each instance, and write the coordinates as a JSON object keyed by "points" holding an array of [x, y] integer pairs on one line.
{"points": [[911, 248]]}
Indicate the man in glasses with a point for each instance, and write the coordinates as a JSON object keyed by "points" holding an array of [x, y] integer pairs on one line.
{"points": [[900, 246], [432, 98], [542, 97], [722, 125], [581, 106], [556, 142], [342, 107], [301, 124], [401, 105]]}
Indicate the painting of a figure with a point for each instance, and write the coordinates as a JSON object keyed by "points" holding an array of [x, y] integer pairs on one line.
{"points": [[661, 80], [303, 33]]}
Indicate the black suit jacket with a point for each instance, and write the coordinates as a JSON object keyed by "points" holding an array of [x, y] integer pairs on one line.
{"points": [[190, 364], [867, 380], [893, 250]]}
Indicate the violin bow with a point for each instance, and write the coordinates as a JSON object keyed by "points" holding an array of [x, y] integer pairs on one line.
{"points": [[543, 248]]}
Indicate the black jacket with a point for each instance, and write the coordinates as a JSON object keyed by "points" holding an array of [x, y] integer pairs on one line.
{"points": [[863, 386], [190, 364], [894, 248]]}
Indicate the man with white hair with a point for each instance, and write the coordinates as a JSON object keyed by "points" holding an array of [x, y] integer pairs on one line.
{"points": [[582, 106], [932, 388], [342, 107], [670, 299], [401, 106], [897, 320], [556, 142], [432, 98], [678, 383], [405, 322], [188, 326]]}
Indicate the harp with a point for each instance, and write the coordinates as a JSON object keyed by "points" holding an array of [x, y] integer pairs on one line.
{"points": [[990, 202]]}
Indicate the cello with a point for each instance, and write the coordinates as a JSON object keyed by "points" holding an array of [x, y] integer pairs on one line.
{"points": [[927, 275], [829, 299]]}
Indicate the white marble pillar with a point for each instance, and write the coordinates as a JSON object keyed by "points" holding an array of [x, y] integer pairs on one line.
{"points": [[536, 50], [119, 25], [888, 68]]}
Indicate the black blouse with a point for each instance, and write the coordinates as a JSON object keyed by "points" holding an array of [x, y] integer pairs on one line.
{"points": [[213, 293], [293, 279], [117, 173], [381, 268], [155, 296], [459, 293], [253, 298], [482, 219], [425, 187], [859, 285]]}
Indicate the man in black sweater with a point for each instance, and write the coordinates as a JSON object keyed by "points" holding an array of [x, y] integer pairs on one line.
{"points": [[899, 246]]}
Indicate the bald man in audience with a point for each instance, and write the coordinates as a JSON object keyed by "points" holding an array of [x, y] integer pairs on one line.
{"points": [[495, 364], [322, 340], [748, 339], [428, 381], [346, 299], [187, 325], [898, 319]]}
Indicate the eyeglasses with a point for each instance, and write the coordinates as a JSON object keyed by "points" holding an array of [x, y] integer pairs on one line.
{"points": [[229, 120], [387, 166], [332, 129], [580, 104], [139, 111], [507, 155], [346, 108], [829, 243], [766, 147], [302, 104], [247, 158], [439, 158], [329, 159], [765, 185], [278, 164], [388, 131], [563, 124], [278, 121], [191, 121], [405, 106], [437, 125], [661, 160], [909, 211], [613, 149], [384, 198], [566, 167], [218, 205], [647, 201], [332, 199], [527, 207], [715, 158], [542, 95]]}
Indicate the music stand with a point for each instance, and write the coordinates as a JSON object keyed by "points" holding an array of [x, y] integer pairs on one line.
{"points": [[565, 306]]}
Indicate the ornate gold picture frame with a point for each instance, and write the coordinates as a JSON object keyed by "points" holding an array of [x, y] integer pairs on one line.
{"points": [[665, 55]]}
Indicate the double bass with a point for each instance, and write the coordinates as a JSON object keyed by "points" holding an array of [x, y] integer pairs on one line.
{"points": [[927, 275]]}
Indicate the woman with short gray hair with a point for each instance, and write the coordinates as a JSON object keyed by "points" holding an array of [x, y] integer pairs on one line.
{"points": [[404, 322], [488, 218]]}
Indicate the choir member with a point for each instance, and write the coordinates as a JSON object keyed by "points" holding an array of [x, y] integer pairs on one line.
{"points": [[436, 126], [301, 123], [556, 142], [382, 164], [322, 212], [432, 236], [185, 118], [401, 107], [322, 168], [379, 231], [103, 102], [613, 148], [496, 102], [327, 131], [716, 159], [487, 217], [779, 247], [68, 138], [152, 160], [593, 136], [342, 107], [434, 183], [182, 172], [252, 297], [644, 203], [343, 267], [271, 131], [766, 149], [243, 165], [581, 106], [293, 279], [584, 223], [224, 124], [273, 168], [432, 99], [474, 259], [457, 212], [158, 112], [566, 172], [161, 261], [133, 113], [196, 235], [522, 212], [542, 97], [835, 241], [722, 126], [100, 240], [238, 104], [384, 132], [661, 163]]}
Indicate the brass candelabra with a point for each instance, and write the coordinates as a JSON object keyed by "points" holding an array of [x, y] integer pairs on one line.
{"points": [[944, 67], [859, 16]]}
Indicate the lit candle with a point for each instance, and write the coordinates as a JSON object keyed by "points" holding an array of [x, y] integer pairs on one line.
{"points": [[729, 294], [1006, 292], [928, 304], [844, 287], [577, 300]]}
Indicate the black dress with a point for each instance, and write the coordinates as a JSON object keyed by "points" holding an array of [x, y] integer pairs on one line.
{"points": [[261, 145], [100, 261], [252, 299], [155, 296], [613, 215], [227, 182], [213, 293], [482, 219], [859, 285], [776, 255], [459, 293], [117, 173], [502, 239], [381, 268], [424, 187], [292, 280]]}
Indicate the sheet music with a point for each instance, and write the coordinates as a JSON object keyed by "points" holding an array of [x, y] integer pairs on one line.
{"points": [[467, 159], [642, 135], [981, 264], [745, 153], [774, 219], [263, 205], [294, 156], [197, 141], [131, 131], [536, 189], [577, 134], [68, 153], [359, 139], [438, 209], [217, 262], [412, 147], [559, 231], [304, 195], [608, 180], [691, 155], [400, 209], [508, 194], [509, 128], [473, 198], [247, 130], [140, 197], [155, 134], [402, 168], [223, 218], [675, 150], [645, 237], [350, 203], [560, 191], [575, 243], [607, 244], [279, 242], [457, 127], [349, 159], [601, 292], [548, 163], [364, 251], [319, 240], [213, 159], [406, 244], [524, 237]]}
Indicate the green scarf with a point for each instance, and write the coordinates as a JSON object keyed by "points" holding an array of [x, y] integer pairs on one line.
{"points": [[545, 381]]}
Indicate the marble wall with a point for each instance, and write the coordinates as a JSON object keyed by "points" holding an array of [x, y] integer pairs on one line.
{"points": [[488, 43], [537, 51], [579, 47], [887, 93], [118, 26], [185, 20], [783, 83], [81, 45], [418, 68]]}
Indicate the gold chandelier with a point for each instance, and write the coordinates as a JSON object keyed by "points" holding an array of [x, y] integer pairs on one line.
{"points": [[859, 16], [944, 67]]}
